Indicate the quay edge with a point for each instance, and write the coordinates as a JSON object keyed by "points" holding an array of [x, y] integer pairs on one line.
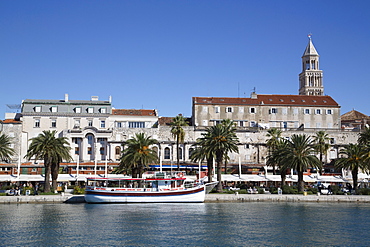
{"points": [[210, 198]]}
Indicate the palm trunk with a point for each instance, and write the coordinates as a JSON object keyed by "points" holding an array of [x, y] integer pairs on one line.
{"points": [[54, 175], [300, 181], [47, 164], [177, 149], [355, 178], [283, 177], [210, 169], [219, 167]]}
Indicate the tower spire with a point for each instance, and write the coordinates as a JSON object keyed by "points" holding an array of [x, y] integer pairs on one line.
{"points": [[310, 79]]}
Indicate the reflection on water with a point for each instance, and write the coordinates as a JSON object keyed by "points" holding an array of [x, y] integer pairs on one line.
{"points": [[210, 224]]}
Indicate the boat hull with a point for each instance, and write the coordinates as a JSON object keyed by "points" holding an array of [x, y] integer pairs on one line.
{"points": [[96, 195]]}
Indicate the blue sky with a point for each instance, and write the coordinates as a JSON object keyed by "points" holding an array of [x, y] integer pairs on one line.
{"points": [[160, 54]]}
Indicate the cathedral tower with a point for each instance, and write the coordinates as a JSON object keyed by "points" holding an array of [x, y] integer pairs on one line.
{"points": [[310, 79]]}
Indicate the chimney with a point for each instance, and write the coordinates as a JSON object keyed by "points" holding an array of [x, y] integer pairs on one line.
{"points": [[253, 95], [66, 97], [94, 98]]}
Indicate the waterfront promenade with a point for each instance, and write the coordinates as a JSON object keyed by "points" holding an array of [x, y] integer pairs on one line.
{"points": [[210, 198]]}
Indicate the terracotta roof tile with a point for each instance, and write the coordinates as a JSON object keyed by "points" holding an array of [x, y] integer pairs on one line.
{"points": [[133, 112], [353, 115], [10, 121], [273, 99], [167, 120]]}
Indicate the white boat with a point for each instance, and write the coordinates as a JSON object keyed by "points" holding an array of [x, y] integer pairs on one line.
{"points": [[158, 188]]}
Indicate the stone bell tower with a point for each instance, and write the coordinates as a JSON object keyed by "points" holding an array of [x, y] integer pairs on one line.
{"points": [[310, 79]]}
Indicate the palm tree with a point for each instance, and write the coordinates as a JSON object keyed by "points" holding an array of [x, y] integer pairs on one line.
{"points": [[274, 158], [178, 133], [298, 155], [364, 136], [218, 141], [272, 143], [52, 150], [138, 154], [355, 159], [201, 153], [5, 150], [321, 145]]}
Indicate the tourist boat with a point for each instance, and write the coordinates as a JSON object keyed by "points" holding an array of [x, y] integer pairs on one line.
{"points": [[157, 188]]}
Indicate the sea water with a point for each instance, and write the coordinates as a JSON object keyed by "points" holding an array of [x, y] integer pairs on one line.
{"points": [[202, 224]]}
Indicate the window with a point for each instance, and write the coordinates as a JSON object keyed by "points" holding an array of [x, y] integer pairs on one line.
{"points": [[119, 124], [103, 110], [78, 110], [217, 109], [90, 110], [77, 123], [318, 111], [205, 109], [136, 124], [229, 109], [273, 110], [332, 141], [329, 112], [241, 109], [77, 150], [37, 123], [37, 108], [252, 110], [90, 123], [252, 124], [89, 150], [167, 155], [246, 146], [285, 111], [318, 125], [118, 151], [241, 123], [53, 123], [75, 140], [306, 111], [102, 151], [54, 109], [217, 122], [102, 124], [295, 111], [180, 153]]}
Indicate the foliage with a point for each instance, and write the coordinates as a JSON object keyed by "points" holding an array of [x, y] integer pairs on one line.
{"points": [[297, 155], [77, 190], [138, 154], [321, 144], [52, 150], [289, 189], [3, 194], [363, 191], [178, 133], [5, 150], [216, 143], [354, 157], [273, 144]]}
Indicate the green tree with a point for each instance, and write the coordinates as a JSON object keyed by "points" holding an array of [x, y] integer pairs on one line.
{"points": [[272, 144], [354, 157], [275, 159], [218, 141], [138, 154], [321, 145], [364, 137], [298, 155], [178, 133], [201, 153], [5, 150], [52, 150]]}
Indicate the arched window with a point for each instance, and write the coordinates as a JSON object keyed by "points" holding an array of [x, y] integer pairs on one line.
{"points": [[180, 153], [167, 154], [118, 150]]}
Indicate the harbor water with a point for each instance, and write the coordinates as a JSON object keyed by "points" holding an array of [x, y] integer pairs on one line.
{"points": [[202, 224]]}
